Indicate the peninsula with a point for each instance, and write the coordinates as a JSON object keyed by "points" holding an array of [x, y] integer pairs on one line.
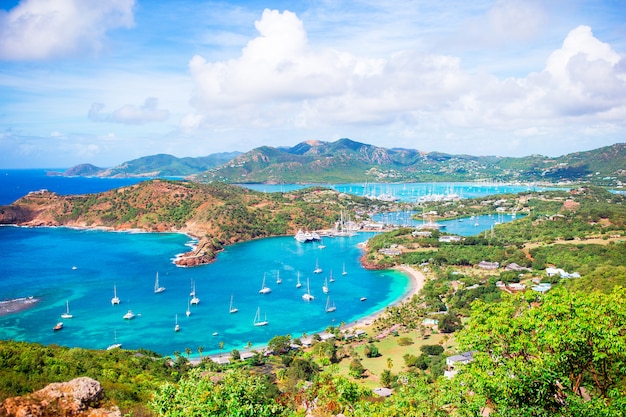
{"points": [[216, 214]]}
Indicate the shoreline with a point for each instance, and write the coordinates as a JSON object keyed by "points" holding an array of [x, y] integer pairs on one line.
{"points": [[417, 281]]}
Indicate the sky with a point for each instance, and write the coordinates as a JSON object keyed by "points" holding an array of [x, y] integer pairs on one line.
{"points": [[104, 82]]}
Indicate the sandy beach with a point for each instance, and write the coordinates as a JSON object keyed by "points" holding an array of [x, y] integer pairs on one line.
{"points": [[418, 279]]}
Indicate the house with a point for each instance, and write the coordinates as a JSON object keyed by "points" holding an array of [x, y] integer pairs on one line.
{"points": [[221, 360], [358, 333], [516, 286], [551, 272], [430, 322], [488, 265], [422, 234], [449, 238], [455, 360], [542, 288], [515, 267], [325, 336]]}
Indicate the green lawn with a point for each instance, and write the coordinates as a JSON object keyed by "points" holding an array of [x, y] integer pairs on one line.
{"points": [[389, 348]]}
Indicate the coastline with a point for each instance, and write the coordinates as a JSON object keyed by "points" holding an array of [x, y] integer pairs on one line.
{"points": [[417, 281]]}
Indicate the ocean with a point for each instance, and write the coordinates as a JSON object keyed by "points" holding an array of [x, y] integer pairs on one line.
{"points": [[81, 267]]}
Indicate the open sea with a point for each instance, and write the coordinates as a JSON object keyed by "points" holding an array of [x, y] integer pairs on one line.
{"points": [[81, 267]]}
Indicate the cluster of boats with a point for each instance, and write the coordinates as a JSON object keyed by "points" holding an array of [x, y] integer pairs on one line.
{"points": [[307, 236], [330, 307], [258, 320]]}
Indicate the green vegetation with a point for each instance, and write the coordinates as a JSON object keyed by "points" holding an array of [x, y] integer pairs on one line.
{"points": [[128, 378], [559, 353], [348, 161]]}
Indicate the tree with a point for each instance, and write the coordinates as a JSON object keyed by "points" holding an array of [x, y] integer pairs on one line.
{"points": [[356, 368], [188, 351], [386, 378], [200, 350], [221, 345], [371, 351], [543, 355], [280, 344], [238, 393], [449, 323], [389, 363]]}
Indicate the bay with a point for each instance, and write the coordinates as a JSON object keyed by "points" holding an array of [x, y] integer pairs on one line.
{"points": [[81, 267]]}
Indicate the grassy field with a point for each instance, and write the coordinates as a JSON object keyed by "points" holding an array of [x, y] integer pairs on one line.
{"points": [[390, 349]]}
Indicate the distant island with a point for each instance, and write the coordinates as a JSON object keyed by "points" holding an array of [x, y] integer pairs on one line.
{"points": [[346, 161]]}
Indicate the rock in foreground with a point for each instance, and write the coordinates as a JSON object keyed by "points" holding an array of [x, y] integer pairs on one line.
{"points": [[80, 397]]}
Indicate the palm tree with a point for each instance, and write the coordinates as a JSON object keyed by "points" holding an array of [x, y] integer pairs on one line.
{"points": [[200, 350], [249, 345], [188, 351], [221, 345], [389, 363]]}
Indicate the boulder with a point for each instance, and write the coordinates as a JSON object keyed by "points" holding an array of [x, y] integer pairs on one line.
{"points": [[79, 397]]}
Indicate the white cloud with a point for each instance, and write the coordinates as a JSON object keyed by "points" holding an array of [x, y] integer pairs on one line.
{"points": [[129, 114], [41, 29], [282, 81]]}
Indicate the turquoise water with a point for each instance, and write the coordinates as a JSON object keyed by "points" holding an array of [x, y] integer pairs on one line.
{"points": [[411, 192], [40, 262], [468, 226]]}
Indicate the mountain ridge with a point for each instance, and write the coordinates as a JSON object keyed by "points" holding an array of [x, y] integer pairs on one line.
{"points": [[346, 160]]}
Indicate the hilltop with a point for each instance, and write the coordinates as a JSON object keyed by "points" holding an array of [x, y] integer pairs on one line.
{"points": [[217, 214]]}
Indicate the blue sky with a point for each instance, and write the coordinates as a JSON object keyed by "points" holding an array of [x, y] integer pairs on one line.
{"points": [[104, 82]]}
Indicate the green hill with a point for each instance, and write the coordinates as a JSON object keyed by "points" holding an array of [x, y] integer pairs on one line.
{"points": [[348, 161], [161, 165]]}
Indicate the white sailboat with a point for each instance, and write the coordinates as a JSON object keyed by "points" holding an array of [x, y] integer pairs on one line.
{"points": [[325, 286], [278, 280], [308, 296], [193, 289], [67, 314], [330, 308], [188, 312], [232, 308], [317, 269], [264, 289], [157, 287], [115, 345], [343, 271], [257, 318], [177, 326], [331, 279], [298, 283], [194, 299], [115, 299], [129, 315]]}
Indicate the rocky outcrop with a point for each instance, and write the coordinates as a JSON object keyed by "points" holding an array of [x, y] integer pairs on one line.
{"points": [[203, 253], [80, 397]]}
